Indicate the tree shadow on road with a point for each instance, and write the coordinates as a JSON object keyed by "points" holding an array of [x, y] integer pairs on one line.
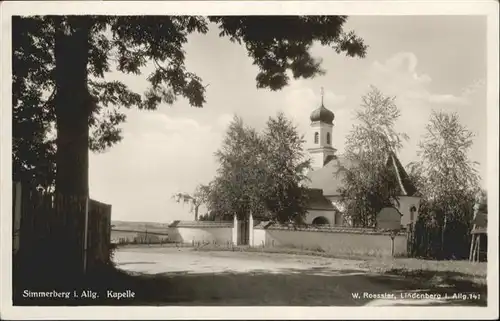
{"points": [[318, 286], [468, 290]]}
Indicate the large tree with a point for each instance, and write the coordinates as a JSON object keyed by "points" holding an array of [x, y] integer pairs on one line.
{"points": [[449, 181], [286, 198], [369, 184], [260, 173], [240, 183], [59, 66], [444, 157]]}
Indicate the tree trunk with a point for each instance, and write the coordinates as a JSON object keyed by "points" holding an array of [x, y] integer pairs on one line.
{"points": [[72, 106], [72, 154]]}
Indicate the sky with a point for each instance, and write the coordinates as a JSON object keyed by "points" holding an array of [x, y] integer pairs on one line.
{"points": [[426, 62]]}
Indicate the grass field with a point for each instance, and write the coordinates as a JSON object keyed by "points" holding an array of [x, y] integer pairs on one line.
{"points": [[378, 264], [477, 270]]}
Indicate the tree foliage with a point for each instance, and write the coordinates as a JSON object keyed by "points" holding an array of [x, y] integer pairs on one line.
{"points": [[240, 182], [447, 176], [260, 173], [211, 216], [369, 185], [59, 83], [195, 200], [286, 198], [482, 201], [444, 152], [449, 182]]}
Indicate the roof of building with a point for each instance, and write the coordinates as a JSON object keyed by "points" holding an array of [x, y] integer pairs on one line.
{"points": [[316, 200], [406, 186], [479, 230], [329, 178], [322, 114]]}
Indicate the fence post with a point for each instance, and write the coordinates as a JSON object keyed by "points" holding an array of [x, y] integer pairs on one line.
{"points": [[17, 215], [409, 240], [393, 235], [85, 235], [235, 230], [250, 230]]}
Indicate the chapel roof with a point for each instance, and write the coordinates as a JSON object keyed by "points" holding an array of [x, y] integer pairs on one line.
{"points": [[322, 114], [406, 186], [329, 178], [316, 200]]}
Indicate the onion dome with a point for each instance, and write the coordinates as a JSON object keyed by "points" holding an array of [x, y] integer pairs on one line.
{"points": [[322, 114]]}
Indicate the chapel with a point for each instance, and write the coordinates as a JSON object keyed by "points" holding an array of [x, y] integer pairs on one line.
{"points": [[325, 179]]}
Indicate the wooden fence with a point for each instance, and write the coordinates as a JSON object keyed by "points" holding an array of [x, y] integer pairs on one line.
{"points": [[50, 228], [98, 234], [431, 242], [122, 237]]}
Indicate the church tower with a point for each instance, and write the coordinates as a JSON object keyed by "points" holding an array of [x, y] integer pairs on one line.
{"points": [[320, 135]]}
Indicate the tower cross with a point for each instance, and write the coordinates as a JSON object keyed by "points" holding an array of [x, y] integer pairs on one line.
{"points": [[322, 95]]}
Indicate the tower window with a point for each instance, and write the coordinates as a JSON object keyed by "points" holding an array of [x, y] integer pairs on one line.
{"points": [[328, 138], [316, 137]]}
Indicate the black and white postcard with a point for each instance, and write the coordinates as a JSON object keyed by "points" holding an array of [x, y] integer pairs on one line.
{"points": [[249, 159]]}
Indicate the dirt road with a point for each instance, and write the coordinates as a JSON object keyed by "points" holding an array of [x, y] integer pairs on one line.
{"points": [[242, 278]]}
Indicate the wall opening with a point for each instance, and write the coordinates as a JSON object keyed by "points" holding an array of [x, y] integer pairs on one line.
{"points": [[339, 219], [243, 232], [328, 138], [320, 220], [316, 137]]}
